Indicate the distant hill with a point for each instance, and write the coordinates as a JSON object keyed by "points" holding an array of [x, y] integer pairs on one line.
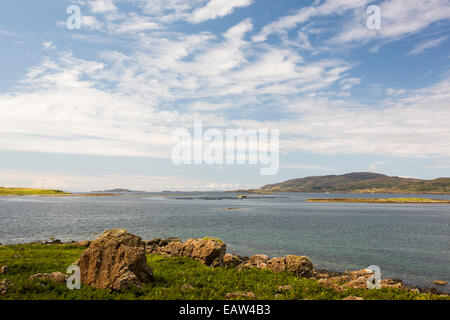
{"points": [[360, 182], [117, 191]]}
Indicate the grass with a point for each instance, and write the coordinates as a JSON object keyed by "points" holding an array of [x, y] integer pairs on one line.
{"points": [[171, 274], [212, 239], [28, 192], [389, 200]]}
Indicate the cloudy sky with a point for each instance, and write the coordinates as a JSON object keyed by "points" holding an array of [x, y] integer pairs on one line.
{"points": [[95, 107]]}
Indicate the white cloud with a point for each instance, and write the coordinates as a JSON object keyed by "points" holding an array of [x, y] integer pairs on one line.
{"points": [[48, 45], [94, 182], [424, 46], [399, 18], [217, 8], [90, 22], [102, 6], [329, 7], [6, 33], [136, 23], [374, 167]]}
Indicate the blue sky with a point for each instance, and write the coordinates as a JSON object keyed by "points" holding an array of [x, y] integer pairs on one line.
{"points": [[94, 108]]}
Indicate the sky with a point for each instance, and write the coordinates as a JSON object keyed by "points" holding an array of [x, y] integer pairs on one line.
{"points": [[95, 108]]}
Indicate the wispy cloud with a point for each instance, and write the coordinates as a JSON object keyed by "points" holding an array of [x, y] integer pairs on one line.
{"points": [[217, 8], [424, 46], [399, 18]]}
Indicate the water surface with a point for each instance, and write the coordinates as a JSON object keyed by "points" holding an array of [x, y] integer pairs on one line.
{"points": [[407, 241]]}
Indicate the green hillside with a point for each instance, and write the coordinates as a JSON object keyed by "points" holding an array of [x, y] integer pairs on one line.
{"points": [[28, 192], [360, 182]]}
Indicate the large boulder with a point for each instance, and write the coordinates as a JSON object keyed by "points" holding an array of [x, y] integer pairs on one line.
{"points": [[116, 260], [299, 265], [207, 250]]}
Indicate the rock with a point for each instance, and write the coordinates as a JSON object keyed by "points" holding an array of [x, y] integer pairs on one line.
{"points": [[173, 248], [277, 265], [415, 290], [357, 280], [322, 276], [158, 246], [4, 286], [165, 242], [301, 266], [186, 287], [258, 261], [85, 243], [208, 251], [240, 294], [440, 282], [116, 260], [151, 246], [285, 288], [360, 283], [231, 260], [57, 277], [391, 283], [4, 269], [353, 298], [331, 285]]}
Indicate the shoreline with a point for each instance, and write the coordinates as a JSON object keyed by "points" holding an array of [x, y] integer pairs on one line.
{"points": [[321, 274]]}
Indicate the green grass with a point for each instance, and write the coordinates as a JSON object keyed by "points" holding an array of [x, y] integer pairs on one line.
{"points": [[170, 276], [28, 192], [212, 239]]}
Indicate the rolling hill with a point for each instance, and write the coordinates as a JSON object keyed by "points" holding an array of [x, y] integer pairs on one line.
{"points": [[360, 182]]}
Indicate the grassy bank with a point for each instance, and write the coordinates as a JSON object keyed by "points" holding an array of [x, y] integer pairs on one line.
{"points": [[175, 278], [390, 200], [29, 192]]}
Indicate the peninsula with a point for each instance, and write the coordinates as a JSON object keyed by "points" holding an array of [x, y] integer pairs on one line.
{"points": [[359, 182]]}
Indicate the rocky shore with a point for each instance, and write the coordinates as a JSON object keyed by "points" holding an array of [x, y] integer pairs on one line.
{"points": [[116, 260], [213, 252]]}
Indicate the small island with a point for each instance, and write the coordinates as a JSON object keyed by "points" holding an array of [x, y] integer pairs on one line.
{"points": [[389, 200]]}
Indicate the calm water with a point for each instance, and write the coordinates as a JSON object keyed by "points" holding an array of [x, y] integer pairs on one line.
{"points": [[408, 241]]}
